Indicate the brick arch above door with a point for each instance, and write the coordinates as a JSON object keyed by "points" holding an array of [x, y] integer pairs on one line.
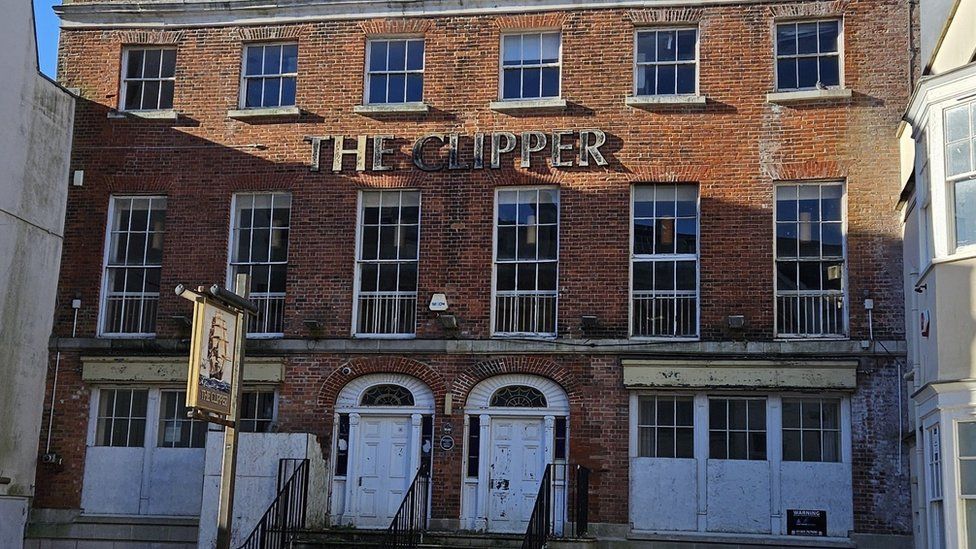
{"points": [[357, 367], [540, 366]]}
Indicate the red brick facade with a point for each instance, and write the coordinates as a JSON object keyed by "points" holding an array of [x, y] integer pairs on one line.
{"points": [[735, 147]]}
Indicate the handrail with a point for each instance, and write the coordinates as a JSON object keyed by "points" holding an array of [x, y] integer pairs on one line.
{"points": [[285, 517], [410, 521], [581, 503], [540, 521]]}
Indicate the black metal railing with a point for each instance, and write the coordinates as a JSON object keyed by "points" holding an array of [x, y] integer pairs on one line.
{"points": [[410, 521], [285, 518], [581, 502], [541, 519]]}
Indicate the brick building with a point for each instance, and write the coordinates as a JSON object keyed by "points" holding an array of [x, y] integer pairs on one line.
{"points": [[663, 232]]}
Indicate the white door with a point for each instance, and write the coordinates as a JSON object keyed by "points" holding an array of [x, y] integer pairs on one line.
{"points": [[383, 469], [517, 463]]}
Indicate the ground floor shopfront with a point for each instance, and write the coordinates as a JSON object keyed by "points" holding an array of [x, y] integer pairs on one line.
{"points": [[709, 447]]}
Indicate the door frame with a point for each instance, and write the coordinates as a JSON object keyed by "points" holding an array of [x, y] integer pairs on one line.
{"points": [[348, 402], [474, 506]]}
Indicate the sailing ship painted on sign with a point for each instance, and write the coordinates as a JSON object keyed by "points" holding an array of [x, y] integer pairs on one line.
{"points": [[215, 350]]}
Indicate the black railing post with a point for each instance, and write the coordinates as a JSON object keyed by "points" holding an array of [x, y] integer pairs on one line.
{"points": [[410, 521], [285, 517], [581, 501]]}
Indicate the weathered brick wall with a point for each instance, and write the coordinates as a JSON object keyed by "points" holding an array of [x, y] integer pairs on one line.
{"points": [[734, 147]]}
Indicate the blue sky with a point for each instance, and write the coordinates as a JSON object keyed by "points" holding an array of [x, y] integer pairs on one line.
{"points": [[47, 35]]}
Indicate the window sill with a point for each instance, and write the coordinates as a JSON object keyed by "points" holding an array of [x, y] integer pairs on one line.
{"points": [[639, 101], [265, 112], [392, 108], [168, 114], [126, 336], [795, 337], [524, 335], [803, 96], [384, 336], [552, 103]]}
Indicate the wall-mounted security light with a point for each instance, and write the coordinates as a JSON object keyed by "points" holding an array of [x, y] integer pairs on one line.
{"points": [[737, 321], [312, 324], [183, 320]]}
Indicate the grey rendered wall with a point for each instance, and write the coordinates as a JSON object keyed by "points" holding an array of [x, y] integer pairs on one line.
{"points": [[35, 141]]}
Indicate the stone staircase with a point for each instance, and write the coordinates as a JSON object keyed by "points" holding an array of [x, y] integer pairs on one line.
{"points": [[373, 539]]}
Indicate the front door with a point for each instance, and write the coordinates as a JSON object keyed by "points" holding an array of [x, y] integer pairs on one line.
{"points": [[384, 469], [517, 463]]}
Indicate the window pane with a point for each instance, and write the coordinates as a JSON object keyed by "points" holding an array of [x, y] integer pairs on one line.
{"points": [[288, 91], [377, 88], [377, 55], [686, 45], [717, 448], [415, 55], [957, 123], [686, 78], [806, 38], [829, 31], [512, 49], [152, 64], [168, 69], [133, 95], [967, 439], [791, 446], [786, 73], [253, 62], [684, 443], [666, 79], [960, 158], [415, 87], [289, 58], [252, 97], [646, 80], [272, 60], [531, 48], [550, 47], [512, 83], [134, 66], [550, 82], [397, 55], [786, 39], [531, 82], [965, 212], [646, 47], [806, 69], [829, 71], [667, 47], [166, 95], [150, 95], [272, 89], [396, 88], [967, 477]]}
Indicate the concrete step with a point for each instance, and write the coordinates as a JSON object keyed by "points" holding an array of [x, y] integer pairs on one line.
{"points": [[369, 539]]}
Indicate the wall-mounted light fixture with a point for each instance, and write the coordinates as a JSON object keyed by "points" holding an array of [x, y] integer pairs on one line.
{"points": [[448, 322]]}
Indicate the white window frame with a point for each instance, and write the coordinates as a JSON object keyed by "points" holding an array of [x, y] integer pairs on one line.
{"points": [[124, 79], [665, 257], [232, 246], [96, 417], [501, 64], [196, 425], [368, 74], [673, 396], [359, 263], [106, 246], [494, 264], [952, 180], [935, 509], [696, 62], [823, 431], [841, 84], [242, 85], [846, 264]]}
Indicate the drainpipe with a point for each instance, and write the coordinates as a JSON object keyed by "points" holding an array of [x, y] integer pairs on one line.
{"points": [[75, 304]]}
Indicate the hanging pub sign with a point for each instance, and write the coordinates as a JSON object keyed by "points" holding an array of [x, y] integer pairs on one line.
{"points": [[453, 151], [806, 522], [213, 357]]}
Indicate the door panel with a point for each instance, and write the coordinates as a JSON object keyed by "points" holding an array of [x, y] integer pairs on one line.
{"points": [[383, 463], [517, 462]]}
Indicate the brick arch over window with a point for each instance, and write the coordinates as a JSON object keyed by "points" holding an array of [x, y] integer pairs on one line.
{"points": [[539, 366], [329, 390]]}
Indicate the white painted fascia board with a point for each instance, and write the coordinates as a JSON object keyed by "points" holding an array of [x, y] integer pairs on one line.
{"points": [[165, 14], [640, 101], [933, 89], [263, 112], [803, 96], [527, 104], [392, 108]]}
